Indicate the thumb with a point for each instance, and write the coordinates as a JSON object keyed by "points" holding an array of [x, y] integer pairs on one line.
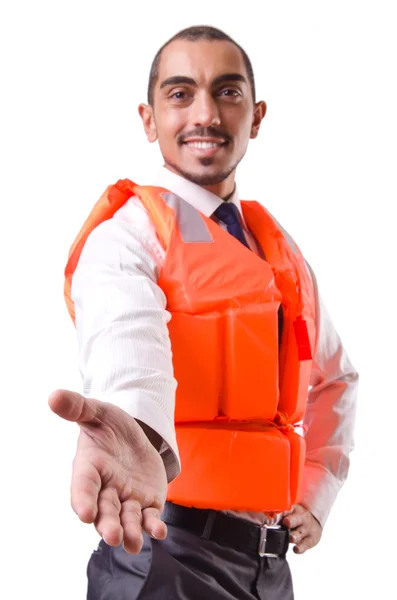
{"points": [[73, 406]]}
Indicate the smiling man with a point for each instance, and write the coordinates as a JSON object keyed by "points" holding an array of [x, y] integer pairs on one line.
{"points": [[202, 111], [204, 343]]}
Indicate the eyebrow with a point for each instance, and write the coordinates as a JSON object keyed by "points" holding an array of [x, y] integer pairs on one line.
{"points": [[180, 79], [229, 77], [176, 80]]}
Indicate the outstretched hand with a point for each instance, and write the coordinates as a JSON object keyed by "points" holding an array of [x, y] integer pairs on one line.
{"points": [[119, 481]]}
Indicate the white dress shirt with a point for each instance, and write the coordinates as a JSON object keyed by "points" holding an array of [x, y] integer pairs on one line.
{"points": [[125, 349]]}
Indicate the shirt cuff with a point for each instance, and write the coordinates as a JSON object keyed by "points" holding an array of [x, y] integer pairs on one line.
{"points": [[152, 414], [319, 491]]}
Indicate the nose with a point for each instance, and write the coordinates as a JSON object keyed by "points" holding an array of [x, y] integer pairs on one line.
{"points": [[206, 111]]}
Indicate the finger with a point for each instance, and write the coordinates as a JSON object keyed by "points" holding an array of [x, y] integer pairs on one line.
{"points": [[131, 522], [152, 523], [304, 544], [294, 520], [73, 406], [297, 535], [86, 484], [107, 522]]}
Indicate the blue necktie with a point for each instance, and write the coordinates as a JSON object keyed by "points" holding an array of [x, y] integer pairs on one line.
{"points": [[229, 215]]}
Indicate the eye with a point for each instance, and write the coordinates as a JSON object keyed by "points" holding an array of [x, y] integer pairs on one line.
{"points": [[229, 92], [179, 95]]}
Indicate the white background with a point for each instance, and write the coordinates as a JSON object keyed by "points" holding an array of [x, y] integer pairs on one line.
{"points": [[72, 75]]}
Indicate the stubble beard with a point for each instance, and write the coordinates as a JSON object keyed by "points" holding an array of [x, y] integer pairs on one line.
{"points": [[204, 179]]}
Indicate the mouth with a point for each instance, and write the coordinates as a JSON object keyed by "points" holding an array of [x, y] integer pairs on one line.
{"points": [[205, 147]]}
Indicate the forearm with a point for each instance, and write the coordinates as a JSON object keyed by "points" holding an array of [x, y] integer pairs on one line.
{"points": [[329, 420], [124, 345]]}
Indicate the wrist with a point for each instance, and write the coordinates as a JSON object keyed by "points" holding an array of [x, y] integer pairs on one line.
{"points": [[154, 438]]}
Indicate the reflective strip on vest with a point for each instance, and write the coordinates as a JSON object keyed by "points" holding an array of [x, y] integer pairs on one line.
{"points": [[287, 236], [191, 224]]}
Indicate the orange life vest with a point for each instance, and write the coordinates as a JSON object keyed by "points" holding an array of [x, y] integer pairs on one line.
{"points": [[239, 394]]}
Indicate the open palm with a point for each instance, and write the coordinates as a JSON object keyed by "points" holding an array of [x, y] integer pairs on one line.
{"points": [[119, 481]]}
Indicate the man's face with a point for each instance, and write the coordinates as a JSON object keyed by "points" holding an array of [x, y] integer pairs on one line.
{"points": [[203, 114]]}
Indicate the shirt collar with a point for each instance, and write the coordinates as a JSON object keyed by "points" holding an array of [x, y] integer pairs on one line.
{"points": [[198, 197]]}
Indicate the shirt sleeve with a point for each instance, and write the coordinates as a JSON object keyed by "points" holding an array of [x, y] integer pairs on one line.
{"points": [[330, 417], [121, 320]]}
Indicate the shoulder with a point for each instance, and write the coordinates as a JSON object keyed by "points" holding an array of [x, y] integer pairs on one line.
{"points": [[129, 232]]}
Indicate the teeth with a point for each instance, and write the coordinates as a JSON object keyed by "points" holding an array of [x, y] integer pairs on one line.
{"points": [[203, 145]]}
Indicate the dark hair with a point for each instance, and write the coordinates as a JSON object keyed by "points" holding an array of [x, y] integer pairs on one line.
{"points": [[194, 34]]}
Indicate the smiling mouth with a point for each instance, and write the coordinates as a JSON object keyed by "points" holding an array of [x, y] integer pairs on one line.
{"points": [[206, 148], [205, 145]]}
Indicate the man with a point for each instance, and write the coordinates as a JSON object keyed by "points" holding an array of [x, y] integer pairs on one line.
{"points": [[248, 337]]}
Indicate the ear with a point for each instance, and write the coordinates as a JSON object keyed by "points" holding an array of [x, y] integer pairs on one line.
{"points": [[146, 114], [259, 113]]}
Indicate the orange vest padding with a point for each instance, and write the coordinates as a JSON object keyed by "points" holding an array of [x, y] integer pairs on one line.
{"points": [[239, 394]]}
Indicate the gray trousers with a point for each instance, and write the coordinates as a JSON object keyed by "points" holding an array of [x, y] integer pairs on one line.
{"points": [[186, 567]]}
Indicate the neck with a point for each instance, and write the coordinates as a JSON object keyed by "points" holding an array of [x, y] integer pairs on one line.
{"points": [[224, 189], [221, 190]]}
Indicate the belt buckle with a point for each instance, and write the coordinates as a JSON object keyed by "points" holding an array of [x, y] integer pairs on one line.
{"points": [[263, 539]]}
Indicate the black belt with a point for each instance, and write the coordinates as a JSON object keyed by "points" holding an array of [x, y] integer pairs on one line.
{"points": [[268, 540]]}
